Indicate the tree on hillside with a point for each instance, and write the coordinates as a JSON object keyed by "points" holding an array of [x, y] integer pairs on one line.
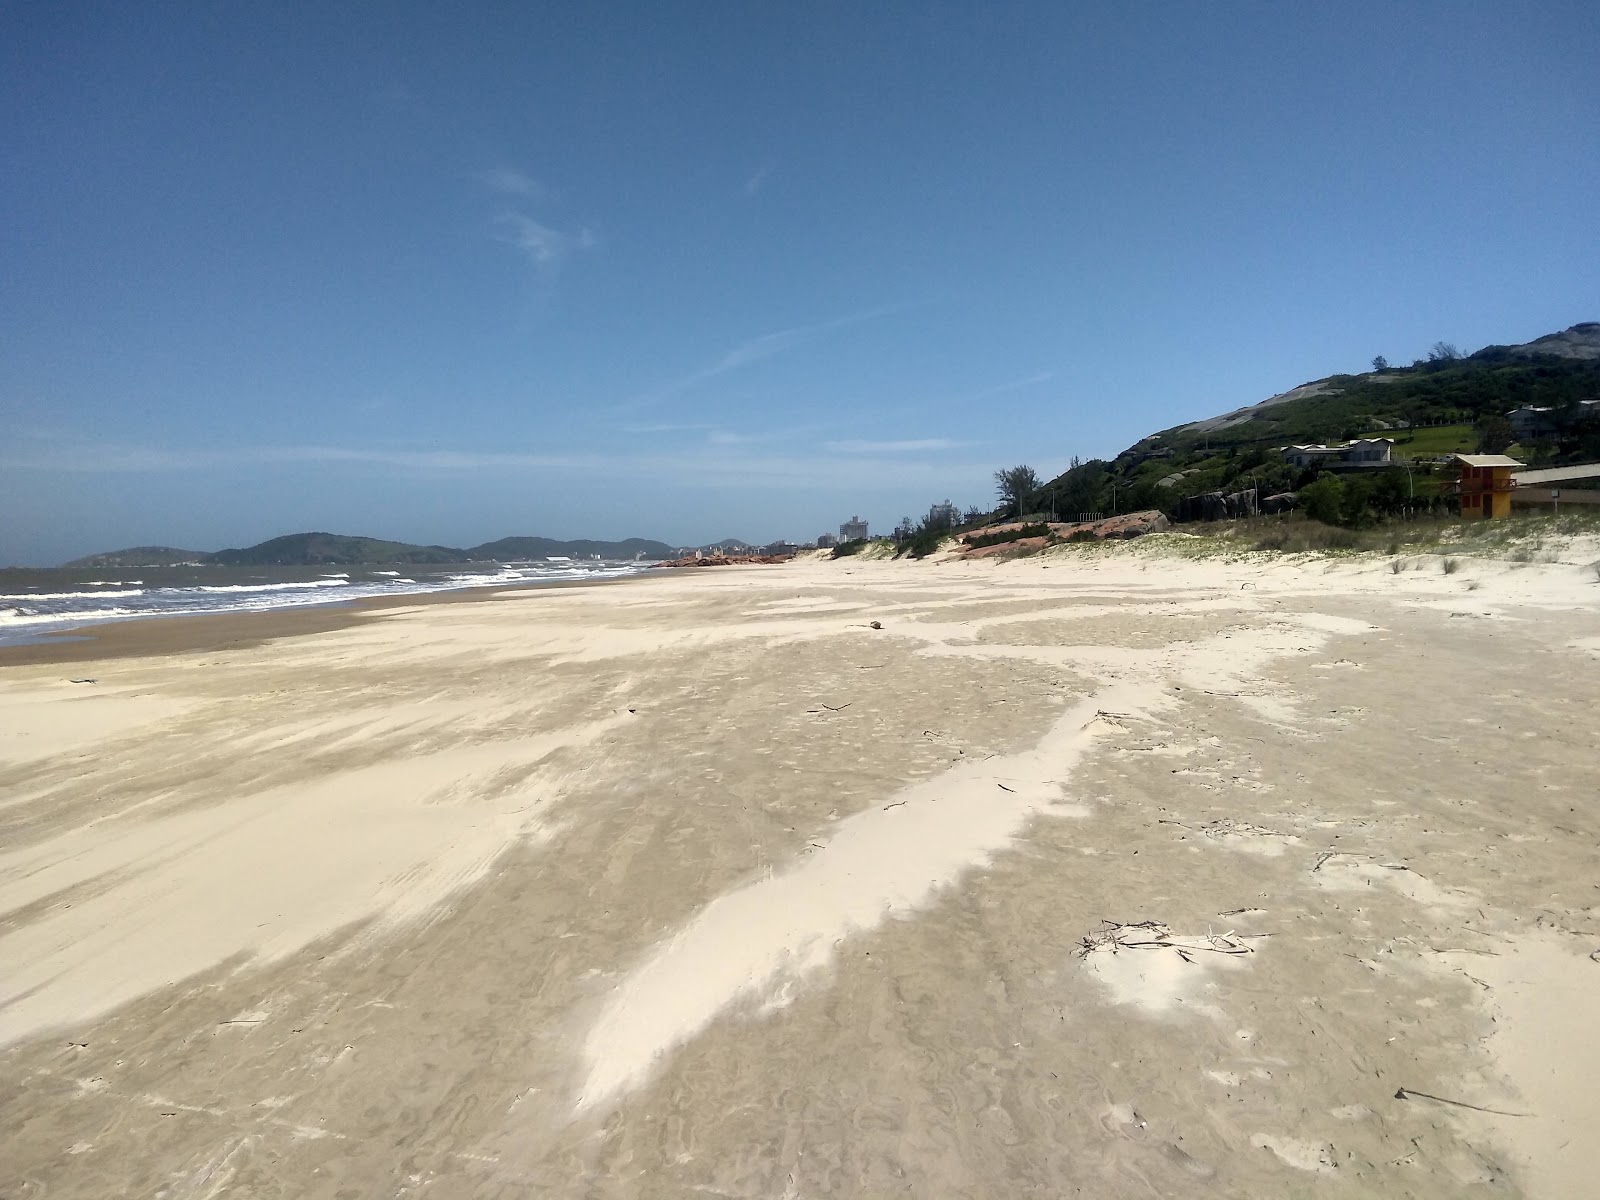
{"points": [[1323, 499], [1443, 352], [1084, 488], [1380, 363], [1494, 434], [972, 516], [1016, 484]]}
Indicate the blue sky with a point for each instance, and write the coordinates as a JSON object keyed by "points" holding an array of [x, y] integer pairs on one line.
{"points": [[691, 271]]}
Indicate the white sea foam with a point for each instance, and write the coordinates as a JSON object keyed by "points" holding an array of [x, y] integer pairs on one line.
{"points": [[266, 587], [25, 616], [17, 616], [28, 597], [499, 577]]}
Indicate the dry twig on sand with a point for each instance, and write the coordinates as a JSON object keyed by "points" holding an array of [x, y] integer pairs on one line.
{"points": [[1145, 935], [1225, 827]]}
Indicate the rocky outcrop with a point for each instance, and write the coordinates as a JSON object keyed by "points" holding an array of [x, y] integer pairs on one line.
{"points": [[1126, 525], [1240, 415], [1580, 341], [1217, 506], [1282, 502]]}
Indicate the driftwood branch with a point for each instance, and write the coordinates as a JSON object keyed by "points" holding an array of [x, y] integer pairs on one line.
{"points": [[1408, 1093]]}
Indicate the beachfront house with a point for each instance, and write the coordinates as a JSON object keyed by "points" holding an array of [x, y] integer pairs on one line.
{"points": [[1532, 421], [1357, 453], [1485, 484]]}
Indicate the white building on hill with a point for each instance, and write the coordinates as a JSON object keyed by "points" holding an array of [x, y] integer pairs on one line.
{"points": [[1361, 452]]}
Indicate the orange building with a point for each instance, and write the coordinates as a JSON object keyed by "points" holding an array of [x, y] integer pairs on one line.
{"points": [[1485, 484]]}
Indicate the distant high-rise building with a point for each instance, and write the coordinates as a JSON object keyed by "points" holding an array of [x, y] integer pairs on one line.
{"points": [[853, 530], [824, 540], [943, 516]]}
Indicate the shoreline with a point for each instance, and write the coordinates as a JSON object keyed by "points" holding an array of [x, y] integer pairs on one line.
{"points": [[145, 636]]}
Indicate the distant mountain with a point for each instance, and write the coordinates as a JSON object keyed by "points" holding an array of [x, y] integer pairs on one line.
{"points": [[333, 550], [342, 550], [538, 547], [142, 556]]}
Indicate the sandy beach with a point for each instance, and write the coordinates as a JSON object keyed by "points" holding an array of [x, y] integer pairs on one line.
{"points": [[1110, 872]]}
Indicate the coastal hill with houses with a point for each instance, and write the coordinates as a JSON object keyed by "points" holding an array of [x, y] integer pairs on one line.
{"points": [[1378, 444]]}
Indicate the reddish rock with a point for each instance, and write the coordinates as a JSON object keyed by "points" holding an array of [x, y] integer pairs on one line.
{"points": [[1027, 545], [1125, 525]]}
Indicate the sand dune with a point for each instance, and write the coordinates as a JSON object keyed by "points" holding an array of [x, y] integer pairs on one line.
{"points": [[1108, 870]]}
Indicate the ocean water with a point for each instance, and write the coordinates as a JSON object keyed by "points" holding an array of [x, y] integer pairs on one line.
{"points": [[39, 602]]}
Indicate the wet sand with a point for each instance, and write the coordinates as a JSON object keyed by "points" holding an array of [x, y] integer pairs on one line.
{"points": [[150, 636], [1109, 871]]}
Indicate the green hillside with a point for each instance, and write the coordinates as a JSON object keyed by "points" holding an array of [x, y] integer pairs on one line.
{"points": [[141, 556], [1444, 405], [1433, 440], [1345, 406]]}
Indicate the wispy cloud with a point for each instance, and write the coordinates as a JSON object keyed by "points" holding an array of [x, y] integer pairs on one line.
{"points": [[758, 179], [702, 465], [510, 182], [669, 427], [758, 348], [545, 247], [713, 434], [796, 434], [1014, 385], [917, 446]]}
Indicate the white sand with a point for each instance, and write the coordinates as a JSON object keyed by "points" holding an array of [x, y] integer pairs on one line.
{"points": [[697, 885], [768, 937]]}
